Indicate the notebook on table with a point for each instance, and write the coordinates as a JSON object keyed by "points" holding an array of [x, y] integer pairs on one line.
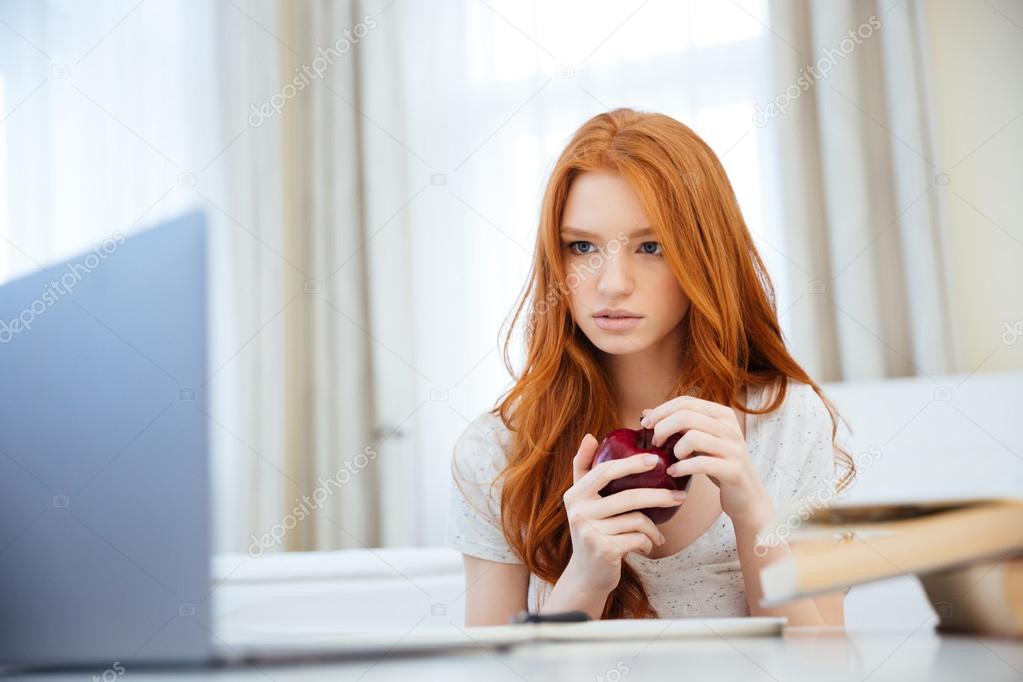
{"points": [[249, 643]]}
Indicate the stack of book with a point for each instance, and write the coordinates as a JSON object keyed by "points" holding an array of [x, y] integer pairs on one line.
{"points": [[968, 555]]}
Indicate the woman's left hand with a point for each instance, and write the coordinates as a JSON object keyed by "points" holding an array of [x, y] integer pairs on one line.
{"points": [[711, 431]]}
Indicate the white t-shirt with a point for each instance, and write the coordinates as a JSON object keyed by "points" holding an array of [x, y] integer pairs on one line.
{"points": [[793, 453]]}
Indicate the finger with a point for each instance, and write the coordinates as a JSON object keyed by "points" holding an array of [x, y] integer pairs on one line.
{"points": [[631, 542], [605, 472], [686, 419], [695, 440], [703, 464], [707, 407], [583, 457], [652, 416], [631, 522], [637, 498], [710, 407]]}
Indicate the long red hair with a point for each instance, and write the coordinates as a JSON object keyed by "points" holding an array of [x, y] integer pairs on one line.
{"points": [[732, 335]]}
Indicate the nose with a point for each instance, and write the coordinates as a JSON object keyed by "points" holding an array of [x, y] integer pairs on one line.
{"points": [[614, 279]]}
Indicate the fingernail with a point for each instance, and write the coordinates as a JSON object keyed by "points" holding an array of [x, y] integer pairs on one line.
{"points": [[650, 460], [663, 539], [678, 494], [645, 422]]}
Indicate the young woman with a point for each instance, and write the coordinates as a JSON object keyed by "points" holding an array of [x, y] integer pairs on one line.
{"points": [[649, 307]]}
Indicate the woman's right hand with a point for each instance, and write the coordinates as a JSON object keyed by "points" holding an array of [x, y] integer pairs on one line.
{"points": [[604, 529]]}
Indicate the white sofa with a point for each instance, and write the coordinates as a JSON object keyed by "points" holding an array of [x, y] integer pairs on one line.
{"points": [[951, 436], [353, 589]]}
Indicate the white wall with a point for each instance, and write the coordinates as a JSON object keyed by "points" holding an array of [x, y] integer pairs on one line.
{"points": [[975, 53]]}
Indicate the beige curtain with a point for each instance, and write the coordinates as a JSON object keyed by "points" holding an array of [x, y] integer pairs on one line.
{"points": [[300, 453], [857, 175]]}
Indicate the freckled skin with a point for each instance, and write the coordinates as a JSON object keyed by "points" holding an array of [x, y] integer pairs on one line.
{"points": [[622, 443]]}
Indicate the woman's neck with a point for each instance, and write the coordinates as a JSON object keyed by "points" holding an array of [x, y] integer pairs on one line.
{"points": [[644, 379]]}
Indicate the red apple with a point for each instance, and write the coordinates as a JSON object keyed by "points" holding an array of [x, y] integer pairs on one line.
{"points": [[622, 443]]}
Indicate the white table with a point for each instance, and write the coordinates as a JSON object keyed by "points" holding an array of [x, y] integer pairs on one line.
{"points": [[800, 654]]}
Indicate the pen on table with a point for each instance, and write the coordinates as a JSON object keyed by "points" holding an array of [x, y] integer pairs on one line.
{"points": [[562, 617]]}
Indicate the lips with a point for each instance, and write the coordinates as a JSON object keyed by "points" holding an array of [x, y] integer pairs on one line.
{"points": [[615, 313], [616, 320]]}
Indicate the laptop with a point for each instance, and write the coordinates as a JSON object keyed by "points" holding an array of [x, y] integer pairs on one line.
{"points": [[104, 484], [104, 477]]}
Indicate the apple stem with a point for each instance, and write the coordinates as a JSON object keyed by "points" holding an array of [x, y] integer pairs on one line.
{"points": [[646, 439]]}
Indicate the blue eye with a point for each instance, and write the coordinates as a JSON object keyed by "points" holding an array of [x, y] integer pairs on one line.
{"points": [[571, 247], [655, 252]]}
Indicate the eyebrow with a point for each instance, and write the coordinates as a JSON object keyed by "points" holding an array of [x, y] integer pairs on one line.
{"points": [[583, 233]]}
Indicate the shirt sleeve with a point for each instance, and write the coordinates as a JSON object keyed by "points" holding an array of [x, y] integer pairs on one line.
{"points": [[473, 522], [814, 452]]}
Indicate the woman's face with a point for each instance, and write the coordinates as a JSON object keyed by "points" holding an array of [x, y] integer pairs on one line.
{"points": [[613, 261]]}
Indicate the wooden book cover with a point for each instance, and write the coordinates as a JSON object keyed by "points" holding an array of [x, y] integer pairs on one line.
{"points": [[843, 546], [985, 598]]}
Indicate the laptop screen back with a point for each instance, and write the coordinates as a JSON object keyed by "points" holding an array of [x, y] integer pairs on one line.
{"points": [[104, 528]]}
